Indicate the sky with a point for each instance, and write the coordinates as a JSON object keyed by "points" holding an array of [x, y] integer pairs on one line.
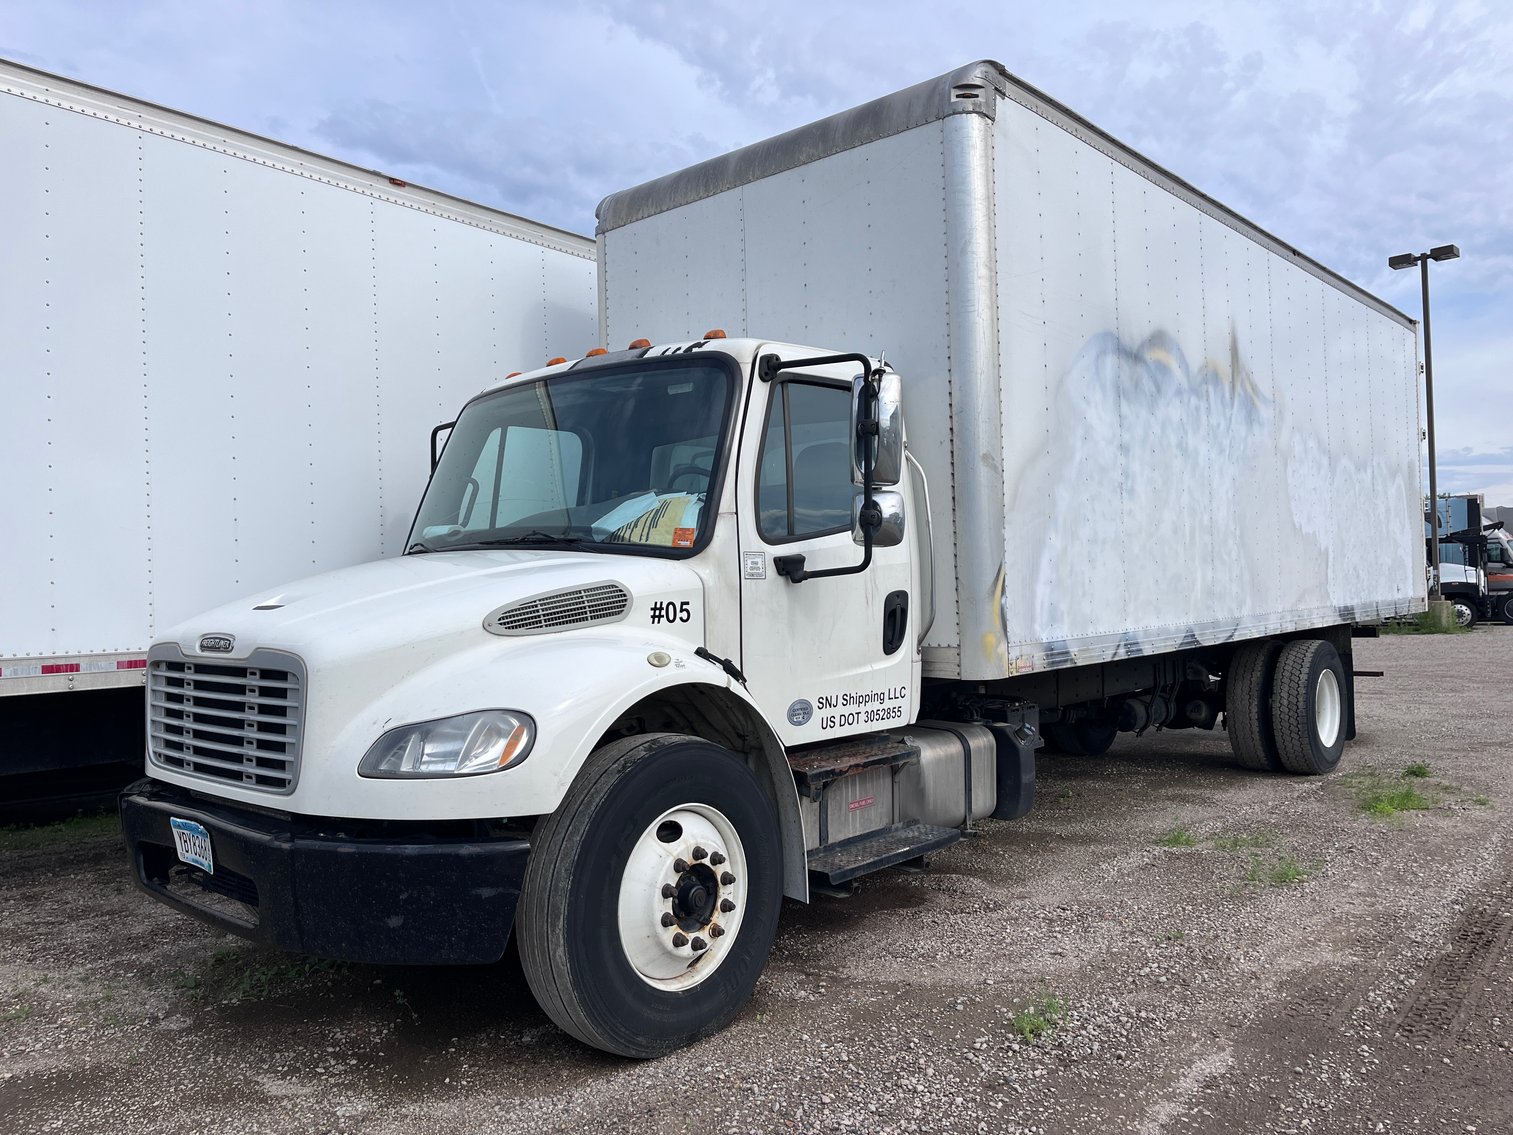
{"points": [[1351, 129]]}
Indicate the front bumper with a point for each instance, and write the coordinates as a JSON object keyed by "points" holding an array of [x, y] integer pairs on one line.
{"points": [[399, 894]]}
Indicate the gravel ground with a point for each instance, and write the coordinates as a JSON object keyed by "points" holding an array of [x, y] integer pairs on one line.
{"points": [[1166, 944]]}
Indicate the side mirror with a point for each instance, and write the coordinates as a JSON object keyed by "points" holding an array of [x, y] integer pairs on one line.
{"points": [[889, 519], [883, 405]]}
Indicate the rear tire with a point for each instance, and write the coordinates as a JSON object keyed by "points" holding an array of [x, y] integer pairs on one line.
{"points": [[1504, 607], [611, 957], [1309, 710], [1247, 705]]}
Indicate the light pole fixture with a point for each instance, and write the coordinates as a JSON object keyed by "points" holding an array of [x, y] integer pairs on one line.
{"points": [[1408, 260]]}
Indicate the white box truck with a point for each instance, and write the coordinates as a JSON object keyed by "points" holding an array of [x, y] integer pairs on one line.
{"points": [[693, 625], [216, 351]]}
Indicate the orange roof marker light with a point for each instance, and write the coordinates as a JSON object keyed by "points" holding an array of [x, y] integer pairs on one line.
{"points": [[638, 344], [514, 374], [715, 334], [596, 351], [554, 362]]}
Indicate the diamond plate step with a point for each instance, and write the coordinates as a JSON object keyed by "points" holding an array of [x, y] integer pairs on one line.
{"points": [[886, 847]]}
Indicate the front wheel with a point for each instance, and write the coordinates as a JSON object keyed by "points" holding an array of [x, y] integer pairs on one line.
{"points": [[651, 897], [1464, 610]]}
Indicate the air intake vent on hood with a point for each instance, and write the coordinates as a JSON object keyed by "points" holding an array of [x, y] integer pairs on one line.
{"points": [[557, 610]]}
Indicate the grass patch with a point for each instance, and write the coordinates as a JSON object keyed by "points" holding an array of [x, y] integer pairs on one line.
{"points": [[33, 837], [1418, 769], [1178, 837], [1038, 1018], [1281, 872], [1386, 797], [16, 1016], [1420, 623], [1243, 842], [1482, 799]]}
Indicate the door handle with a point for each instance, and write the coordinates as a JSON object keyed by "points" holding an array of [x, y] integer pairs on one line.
{"points": [[895, 620]]}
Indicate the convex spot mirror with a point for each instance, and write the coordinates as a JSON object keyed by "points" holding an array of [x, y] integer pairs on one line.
{"points": [[887, 443], [890, 531]]}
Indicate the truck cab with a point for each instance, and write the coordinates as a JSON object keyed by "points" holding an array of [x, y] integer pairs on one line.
{"points": [[615, 608]]}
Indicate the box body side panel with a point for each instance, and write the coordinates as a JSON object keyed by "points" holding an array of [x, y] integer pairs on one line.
{"points": [[1200, 439], [221, 370]]}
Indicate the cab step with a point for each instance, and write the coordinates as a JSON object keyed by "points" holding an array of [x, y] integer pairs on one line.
{"points": [[841, 862], [816, 767]]}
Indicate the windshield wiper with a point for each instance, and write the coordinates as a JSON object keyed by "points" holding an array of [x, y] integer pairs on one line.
{"points": [[418, 547], [532, 537]]}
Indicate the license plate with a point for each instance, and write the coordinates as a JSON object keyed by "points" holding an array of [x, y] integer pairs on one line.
{"points": [[193, 841]]}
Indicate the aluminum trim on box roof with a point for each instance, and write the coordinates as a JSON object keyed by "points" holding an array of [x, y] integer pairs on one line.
{"points": [[923, 103]]}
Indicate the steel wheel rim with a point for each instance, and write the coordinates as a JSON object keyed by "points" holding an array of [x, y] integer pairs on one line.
{"points": [[1462, 613], [708, 847], [1327, 708]]}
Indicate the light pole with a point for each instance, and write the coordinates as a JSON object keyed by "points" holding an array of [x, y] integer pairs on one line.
{"points": [[1408, 260]]}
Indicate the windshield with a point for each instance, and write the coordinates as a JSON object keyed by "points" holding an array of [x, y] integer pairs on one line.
{"points": [[613, 457]]}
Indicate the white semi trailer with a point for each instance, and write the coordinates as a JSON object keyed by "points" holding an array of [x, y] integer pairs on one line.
{"points": [[216, 351], [696, 624]]}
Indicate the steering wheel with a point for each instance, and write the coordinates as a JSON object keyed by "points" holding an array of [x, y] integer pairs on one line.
{"points": [[689, 469]]}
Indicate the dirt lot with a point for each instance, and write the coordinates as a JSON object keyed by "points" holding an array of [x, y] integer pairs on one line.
{"points": [[1166, 944]]}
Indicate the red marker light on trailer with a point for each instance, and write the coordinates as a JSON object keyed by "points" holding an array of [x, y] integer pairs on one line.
{"points": [[401, 184]]}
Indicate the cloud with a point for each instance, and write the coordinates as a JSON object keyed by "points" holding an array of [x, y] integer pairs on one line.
{"points": [[1351, 130]]}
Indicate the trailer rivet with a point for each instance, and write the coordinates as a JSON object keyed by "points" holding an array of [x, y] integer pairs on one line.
{"points": [[727, 878], [726, 906], [700, 944], [680, 940], [716, 859], [668, 919], [700, 853]]}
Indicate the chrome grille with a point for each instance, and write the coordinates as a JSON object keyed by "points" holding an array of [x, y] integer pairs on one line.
{"points": [[574, 607], [236, 723]]}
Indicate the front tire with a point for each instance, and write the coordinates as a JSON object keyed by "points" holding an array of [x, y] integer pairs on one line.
{"points": [[651, 897], [1309, 710], [1464, 610], [1504, 606]]}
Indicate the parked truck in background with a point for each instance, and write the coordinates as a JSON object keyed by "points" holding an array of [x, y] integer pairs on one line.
{"points": [[218, 348], [691, 625], [1476, 573]]}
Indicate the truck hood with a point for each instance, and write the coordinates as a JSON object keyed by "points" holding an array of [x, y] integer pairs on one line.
{"points": [[418, 603]]}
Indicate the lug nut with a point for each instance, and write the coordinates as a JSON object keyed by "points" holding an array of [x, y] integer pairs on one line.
{"points": [[727, 878], [668, 919], [716, 859], [680, 865], [716, 931], [726, 906], [668, 890], [699, 944], [680, 940]]}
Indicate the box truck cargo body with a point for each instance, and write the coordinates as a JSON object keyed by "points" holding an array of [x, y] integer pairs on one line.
{"points": [[1146, 422], [217, 352], [690, 625]]}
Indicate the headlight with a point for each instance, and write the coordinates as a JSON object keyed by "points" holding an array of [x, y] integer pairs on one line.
{"points": [[470, 743]]}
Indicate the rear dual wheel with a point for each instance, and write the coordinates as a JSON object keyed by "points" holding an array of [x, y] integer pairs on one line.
{"points": [[1287, 707], [651, 896]]}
